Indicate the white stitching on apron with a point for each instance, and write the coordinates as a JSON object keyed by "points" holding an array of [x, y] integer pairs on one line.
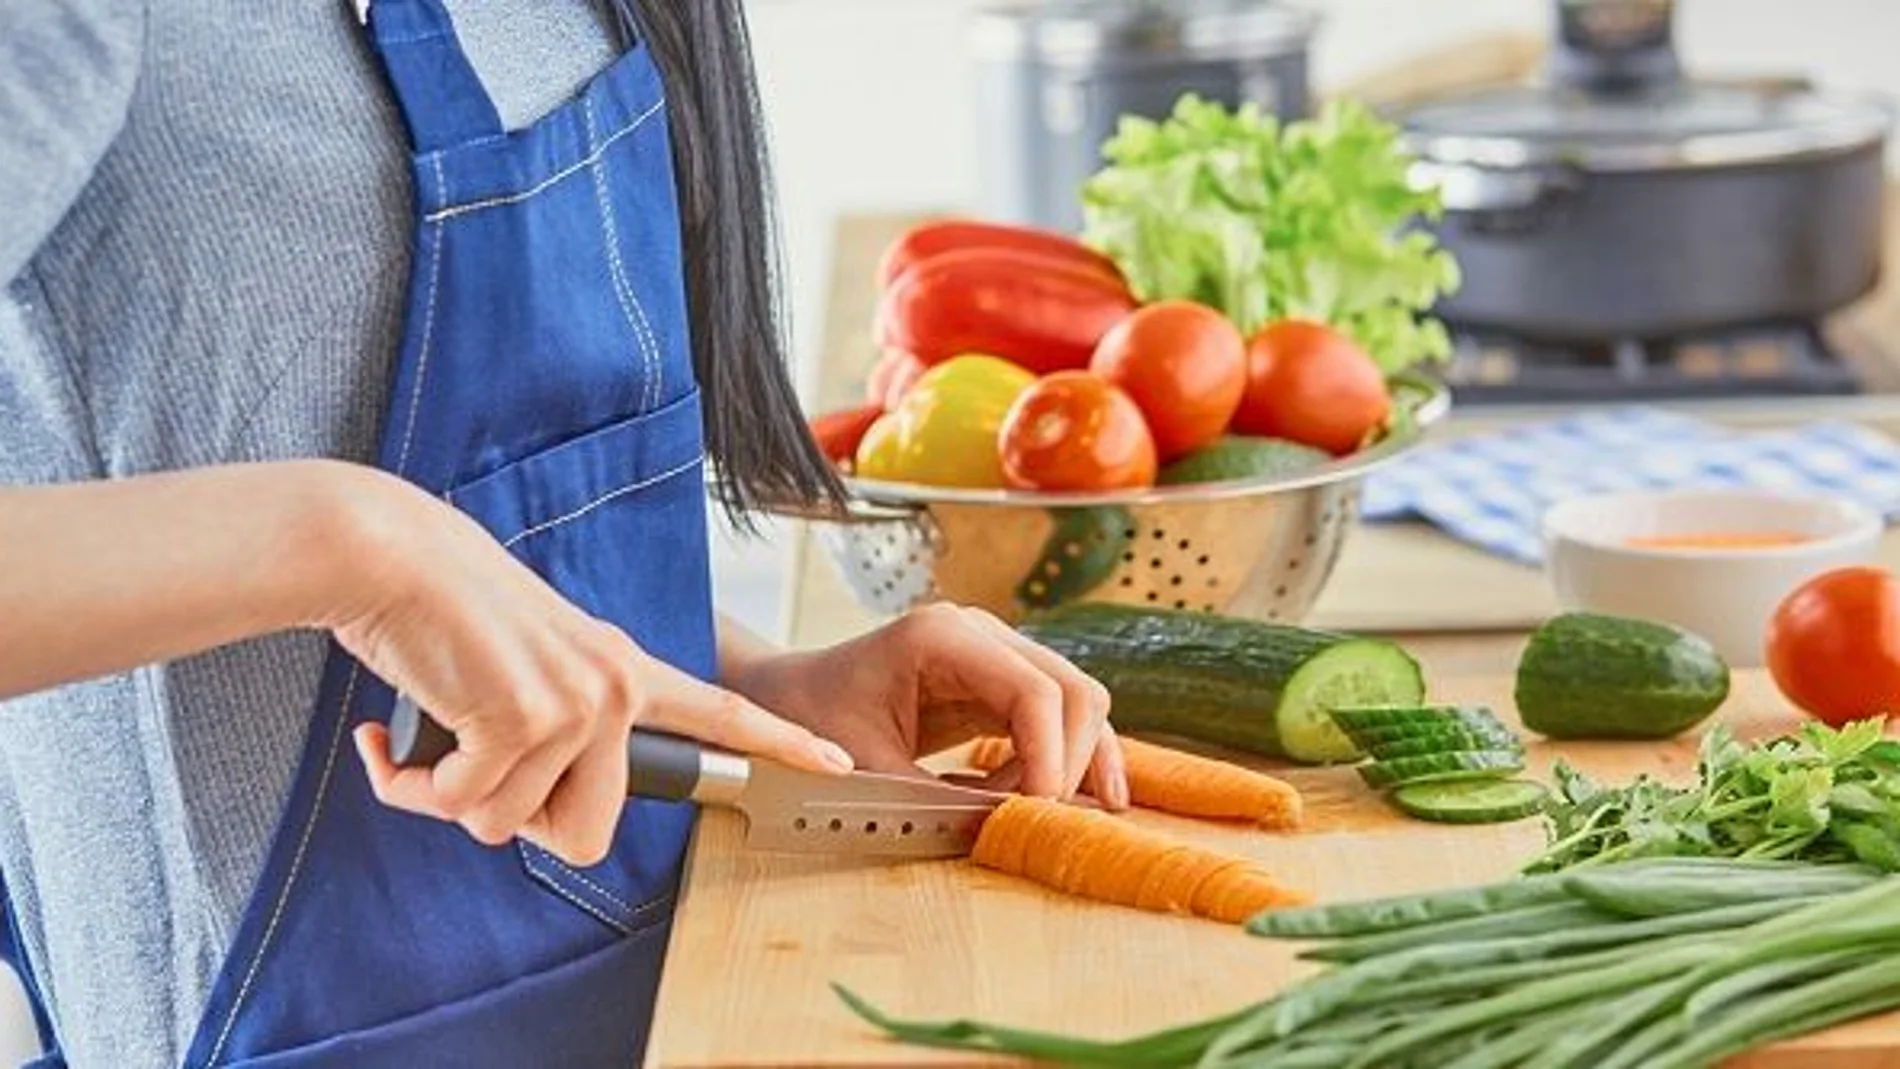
{"points": [[554, 885], [621, 491], [629, 303], [296, 866], [428, 327], [589, 884], [515, 198]]}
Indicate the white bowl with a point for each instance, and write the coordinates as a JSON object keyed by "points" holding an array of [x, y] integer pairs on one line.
{"points": [[1725, 595]]}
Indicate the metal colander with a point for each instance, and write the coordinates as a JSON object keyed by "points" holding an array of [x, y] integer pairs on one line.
{"points": [[1256, 548]]}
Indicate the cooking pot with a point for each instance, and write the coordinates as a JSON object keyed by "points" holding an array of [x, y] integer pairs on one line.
{"points": [[1621, 200], [1054, 77]]}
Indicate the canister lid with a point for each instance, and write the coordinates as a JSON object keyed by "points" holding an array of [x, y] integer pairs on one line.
{"points": [[1107, 32], [1676, 124]]}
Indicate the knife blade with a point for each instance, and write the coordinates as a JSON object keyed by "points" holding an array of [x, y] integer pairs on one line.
{"points": [[785, 809]]}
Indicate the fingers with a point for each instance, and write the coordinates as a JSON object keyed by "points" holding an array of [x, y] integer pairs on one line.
{"points": [[582, 812], [408, 789], [1083, 708], [678, 703], [1107, 780]]}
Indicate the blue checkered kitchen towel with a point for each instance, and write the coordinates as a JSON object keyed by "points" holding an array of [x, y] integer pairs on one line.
{"points": [[1491, 490]]}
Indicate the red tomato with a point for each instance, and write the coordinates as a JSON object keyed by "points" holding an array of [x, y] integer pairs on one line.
{"points": [[1309, 383], [1039, 312], [1834, 645], [1073, 431], [838, 433], [1186, 367], [891, 378], [926, 240]]}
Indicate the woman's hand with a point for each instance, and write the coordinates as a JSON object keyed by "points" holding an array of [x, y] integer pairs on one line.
{"points": [[540, 695], [934, 678]]}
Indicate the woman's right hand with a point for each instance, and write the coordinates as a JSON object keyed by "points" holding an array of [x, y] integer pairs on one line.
{"points": [[540, 695]]}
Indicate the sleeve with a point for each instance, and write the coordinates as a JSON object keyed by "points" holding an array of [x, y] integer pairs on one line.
{"points": [[67, 70]]}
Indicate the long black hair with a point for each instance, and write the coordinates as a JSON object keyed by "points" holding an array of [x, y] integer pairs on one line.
{"points": [[755, 430]]}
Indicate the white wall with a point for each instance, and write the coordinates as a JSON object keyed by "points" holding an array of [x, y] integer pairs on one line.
{"points": [[870, 106]]}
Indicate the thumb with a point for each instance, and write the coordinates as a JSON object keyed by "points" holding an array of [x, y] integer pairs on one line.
{"points": [[678, 703]]}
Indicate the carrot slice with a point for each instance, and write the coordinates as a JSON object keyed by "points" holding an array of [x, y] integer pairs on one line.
{"points": [[1090, 853], [1250, 893], [1185, 784]]}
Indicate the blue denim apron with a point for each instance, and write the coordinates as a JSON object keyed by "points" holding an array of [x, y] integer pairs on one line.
{"points": [[545, 388]]}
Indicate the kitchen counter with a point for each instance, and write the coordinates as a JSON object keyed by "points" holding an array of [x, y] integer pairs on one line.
{"points": [[759, 938]]}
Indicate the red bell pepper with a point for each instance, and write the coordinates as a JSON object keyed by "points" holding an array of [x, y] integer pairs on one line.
{"points": [[1041, 312], [927, 240], [838, 433]]}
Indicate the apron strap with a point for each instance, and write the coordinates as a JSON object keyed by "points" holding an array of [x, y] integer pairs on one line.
{"points": [[442, 100]]}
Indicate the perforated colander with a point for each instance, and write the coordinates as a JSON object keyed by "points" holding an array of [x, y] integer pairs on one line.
{"points": [[1255, 548]]}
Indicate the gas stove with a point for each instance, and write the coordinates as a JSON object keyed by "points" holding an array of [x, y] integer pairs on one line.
{"points": [[1773, 360]]}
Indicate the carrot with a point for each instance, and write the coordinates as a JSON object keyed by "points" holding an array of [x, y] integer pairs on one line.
{"points": [[1185, 784], [1089, 853]]}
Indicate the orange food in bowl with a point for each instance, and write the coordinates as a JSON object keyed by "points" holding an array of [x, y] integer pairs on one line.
{"points": [[1720, 540]]}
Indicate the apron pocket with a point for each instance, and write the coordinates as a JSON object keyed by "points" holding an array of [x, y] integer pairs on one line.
{"points": [[571, 1015], [616, 520]]}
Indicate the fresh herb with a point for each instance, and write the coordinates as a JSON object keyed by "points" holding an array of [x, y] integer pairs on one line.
{"points": [[1817, 795], [1310, 220], [1636, 964]]}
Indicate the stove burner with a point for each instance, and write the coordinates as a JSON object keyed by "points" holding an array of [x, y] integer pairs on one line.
{"points": [[1782, 359]]}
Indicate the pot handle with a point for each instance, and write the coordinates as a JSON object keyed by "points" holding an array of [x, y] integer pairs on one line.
{"points": [[1496, 199]]}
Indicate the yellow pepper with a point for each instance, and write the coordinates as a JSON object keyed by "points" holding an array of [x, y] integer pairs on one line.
{"points": [[945, 430]]}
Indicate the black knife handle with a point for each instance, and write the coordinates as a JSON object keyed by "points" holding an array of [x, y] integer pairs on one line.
{"points": [[659, 766]]}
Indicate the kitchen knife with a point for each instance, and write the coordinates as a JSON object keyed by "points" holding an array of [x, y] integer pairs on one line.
{"points": [[786, 809]]}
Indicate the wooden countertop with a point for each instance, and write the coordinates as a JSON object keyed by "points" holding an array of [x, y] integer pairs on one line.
{"points": [[759, 938]]}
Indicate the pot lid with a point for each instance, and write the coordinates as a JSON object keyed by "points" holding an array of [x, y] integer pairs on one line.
{"points": [[1099, 32], [1676, 124]]}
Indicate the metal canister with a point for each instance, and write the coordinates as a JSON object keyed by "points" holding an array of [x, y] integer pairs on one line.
{"points": [[1054, 78]]}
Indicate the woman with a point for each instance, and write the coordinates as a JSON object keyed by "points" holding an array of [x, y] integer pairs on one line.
{"points": [[340, 358]]}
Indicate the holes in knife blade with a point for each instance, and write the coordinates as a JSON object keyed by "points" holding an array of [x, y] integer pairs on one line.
{"points": [[907, 828], [870, 827], [836, 824], [801, 824]]}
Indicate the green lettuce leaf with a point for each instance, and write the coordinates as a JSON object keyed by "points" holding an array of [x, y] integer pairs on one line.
{"points": [[1314, 219]]}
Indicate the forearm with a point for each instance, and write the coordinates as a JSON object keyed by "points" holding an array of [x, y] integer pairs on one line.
{"points": [[102, 577]]}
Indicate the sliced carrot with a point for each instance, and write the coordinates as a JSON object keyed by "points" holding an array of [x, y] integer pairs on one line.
{"points": [[1250, 893], [1160, 888], [1090, 853], [1184, 784]]}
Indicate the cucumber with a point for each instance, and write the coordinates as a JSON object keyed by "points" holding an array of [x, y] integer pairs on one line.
{"points": [[1430, 744], [1243, 458], [1447, 766], [1588, 676], [1083, 550], [1472, 802], [1258, 687], [1382, 716]]}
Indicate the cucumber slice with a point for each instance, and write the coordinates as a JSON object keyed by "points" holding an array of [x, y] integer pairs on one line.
{"points": [[1396, 717], [1419, 745], [1442, 767], [1371, 738], [1472, 801]]}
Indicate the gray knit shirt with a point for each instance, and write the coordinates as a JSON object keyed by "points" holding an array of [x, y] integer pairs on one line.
{"points": [[204, 213]]}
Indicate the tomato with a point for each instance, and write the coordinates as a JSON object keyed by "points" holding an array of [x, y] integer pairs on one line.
{"points": [[1310, 384], [891, 378], [1041, 312], [944, 432], [838, 433], [1834, 645], [1074, 431], [926, 240], [1184, 364]]}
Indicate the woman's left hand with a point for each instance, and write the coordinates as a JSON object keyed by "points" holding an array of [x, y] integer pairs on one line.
{"points": [[939, 676]]}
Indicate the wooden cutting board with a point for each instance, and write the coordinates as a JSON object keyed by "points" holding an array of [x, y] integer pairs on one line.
{"points": [[758, 938]]}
